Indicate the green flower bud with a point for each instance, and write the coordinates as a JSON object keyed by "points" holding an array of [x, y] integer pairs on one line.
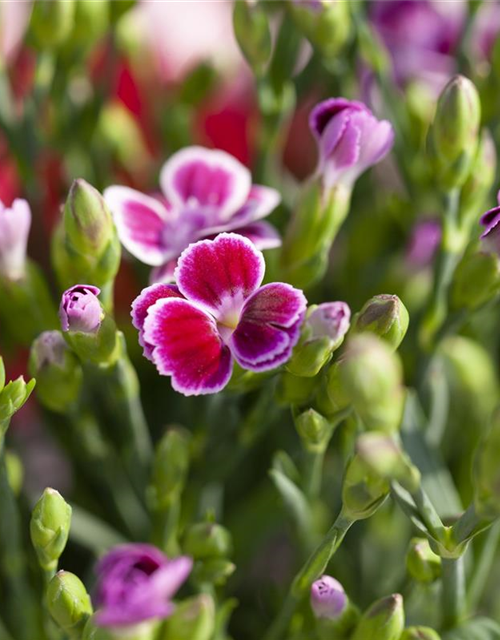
{"points": [[476, 281], [57, 370], [310, 357], [15, 472], [251, 28], [49, 528], [386, 458], [215, 571], [193, 619], [13, 396], [51, 22], [486, 472], [327, 27], [335, 391], [314, 430], [454, 132], [384, 620], [68, 601], [294, 390], [370, 376], [170, 468], [207, 540], [386, 316], [420, 633], [90, 24], [422, 563], [478, 185], [363, 491], [119, 132]]}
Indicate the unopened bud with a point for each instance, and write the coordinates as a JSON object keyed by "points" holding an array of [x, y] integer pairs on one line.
{"points": [[476, 281], [214, 571], [384, 620], [170, 467], [385, 316], [13, 396], [486, 472], [326, 24], [207, 540], [294, 390], [68, 601], [52, 22], [314, 430], [328, 598], [422, 563], [363, 491], [251, 28], [193, 619], [455, 130], [420, 633], [49, 527]]}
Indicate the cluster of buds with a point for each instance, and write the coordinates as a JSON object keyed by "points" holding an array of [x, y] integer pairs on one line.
{"points": [[210, 545], [12, 397]]}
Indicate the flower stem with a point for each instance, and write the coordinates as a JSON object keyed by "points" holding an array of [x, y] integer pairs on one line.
{"points": [[483, 567], [311, 571], [453, 593], [313, 473]]}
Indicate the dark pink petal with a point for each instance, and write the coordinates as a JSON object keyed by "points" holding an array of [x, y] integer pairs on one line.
{"points": [[261, 234], [170, 578], [220, 274], [141, 304], [323, 113], [196, 176], [188, 347], [140, 222], [165, 273], [269, 327]]}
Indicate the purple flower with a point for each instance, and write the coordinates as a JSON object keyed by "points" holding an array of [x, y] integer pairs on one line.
{"points": [[421, 36], [80, 310], [423, 244], [204, 192], [491, 235], [218, 311], [330, 319], [15, 223], [485, 30], [328, 598], [135, 582], [350, 139]]}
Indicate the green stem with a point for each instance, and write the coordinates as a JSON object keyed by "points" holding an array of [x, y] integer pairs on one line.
{"points": [[165, 527], [483, 567], [313, 473], [311, 571], [453, 592]]}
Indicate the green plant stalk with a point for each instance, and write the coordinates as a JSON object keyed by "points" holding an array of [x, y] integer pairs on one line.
{"points": [[482, 568], [311, 571], [165, 527], [454, 603], [313, 473]]}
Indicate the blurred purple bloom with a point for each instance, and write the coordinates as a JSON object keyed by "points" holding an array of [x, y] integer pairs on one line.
{"points": [[80, 310], [491, 235], [328, 598], [204, 192], [330, 319], [15, 223], [350, 139], [218, 311], [136, 582], [423, 244], [485, 30], [421, 36]]}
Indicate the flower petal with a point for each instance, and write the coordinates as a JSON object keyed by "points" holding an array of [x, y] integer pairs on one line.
{"points": [[140, 307], [140, 221], [187, 346], [260, 202], [168, 580], [196, 176], [220, 274], [269, 327], [261, 234], [322, 114], [164, 273]]}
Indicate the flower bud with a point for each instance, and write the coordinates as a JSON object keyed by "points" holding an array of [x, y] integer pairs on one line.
{"points": [[57, 371], [422, 563], [68, 601], [385, 316], [486, 472], [328, 598], [90, 24], [193, 619], [326, 24], [52, 22], [207, 540], [12, 397], [15, 471], [251, 28], [370, 377], [314, 430], [15, 223], [322, 333], [80, 309], [475, 281], [214, 571], [49, 528], [420, 633], [170, 467], [294, 390], [384, 620], [386, 458], [363, 491], [454, 132]]}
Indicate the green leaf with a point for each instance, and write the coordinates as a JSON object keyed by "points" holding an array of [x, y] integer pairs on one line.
{"points": [[478, 629]]}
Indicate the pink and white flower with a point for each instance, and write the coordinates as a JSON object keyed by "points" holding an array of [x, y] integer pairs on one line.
{"points": [[15, 224], [217, 313], [204, 192]]}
